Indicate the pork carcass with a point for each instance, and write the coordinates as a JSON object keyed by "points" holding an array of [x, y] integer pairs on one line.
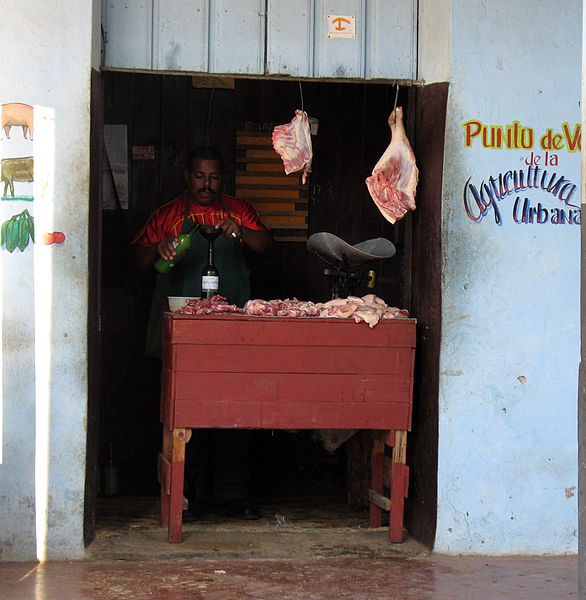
{"points": [[393, 182], [292, 142]]}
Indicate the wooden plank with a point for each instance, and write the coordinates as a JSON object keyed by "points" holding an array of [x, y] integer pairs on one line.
{"points": [[289, 415], [297, 203], [378, 463], [289, 238], [211, 413], [167, 390], [280, 359], [254, 133], [253, 140], [255, 155], [252, 153], [270, 193], [273, 220], [242, 329], [270, 180], [261, 167], [283, 213], [164, 473], [380, 500], [289, 387], [179, 437], [398, 493], [278, 226], [268, 206]]}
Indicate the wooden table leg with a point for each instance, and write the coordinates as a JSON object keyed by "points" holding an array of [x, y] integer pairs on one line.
{"points": [[171, 468], [376, 483], [399, 486]]}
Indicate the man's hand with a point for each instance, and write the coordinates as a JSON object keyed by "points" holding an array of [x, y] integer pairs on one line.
{"points": [[165, 248], [230, 229], [145, 256]]}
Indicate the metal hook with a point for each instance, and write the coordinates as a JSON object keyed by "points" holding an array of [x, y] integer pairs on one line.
{"points": [[396, 97], [301, 93]]}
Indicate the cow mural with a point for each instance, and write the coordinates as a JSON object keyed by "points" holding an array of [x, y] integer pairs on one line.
{"points": [[16, 114], [16, 169]]}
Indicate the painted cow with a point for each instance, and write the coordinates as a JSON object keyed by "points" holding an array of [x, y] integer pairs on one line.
{"points": [[17, 115], [16, 169]]}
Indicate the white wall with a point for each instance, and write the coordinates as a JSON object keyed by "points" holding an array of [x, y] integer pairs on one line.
{"points": [[507, 470], [433, 45], [46, 60]]}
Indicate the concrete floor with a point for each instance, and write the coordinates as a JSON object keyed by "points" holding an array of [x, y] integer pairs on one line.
{"points": [[305, 550]]}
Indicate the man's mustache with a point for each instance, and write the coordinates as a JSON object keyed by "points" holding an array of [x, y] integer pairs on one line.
{"points": [[205, 189]]}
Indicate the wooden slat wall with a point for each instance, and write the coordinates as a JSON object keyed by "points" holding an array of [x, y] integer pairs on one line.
{"points": [[279, 199]]}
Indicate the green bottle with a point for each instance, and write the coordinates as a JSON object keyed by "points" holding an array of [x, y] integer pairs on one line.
{"points": [[181, 245]]}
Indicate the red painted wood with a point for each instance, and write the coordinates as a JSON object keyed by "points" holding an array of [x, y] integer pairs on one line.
{"points": [[378, 464], [291, 359], [291, 415], [176, 502], [398, 493], [280, 331], [164, 473], [287, 387], [411, 379], [278, 373], [164, 508]]}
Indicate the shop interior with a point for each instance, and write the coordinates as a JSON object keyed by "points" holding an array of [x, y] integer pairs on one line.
{"points": [[170, 113]]}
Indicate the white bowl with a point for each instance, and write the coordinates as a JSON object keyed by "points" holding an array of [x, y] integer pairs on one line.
{"points": [[177, 302]]}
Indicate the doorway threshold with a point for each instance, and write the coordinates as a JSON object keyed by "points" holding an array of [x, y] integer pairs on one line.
{"points": [[128, 529]]}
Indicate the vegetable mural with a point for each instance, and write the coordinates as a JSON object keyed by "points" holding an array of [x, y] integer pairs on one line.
{"points": [[17, 231], [18, 167]]}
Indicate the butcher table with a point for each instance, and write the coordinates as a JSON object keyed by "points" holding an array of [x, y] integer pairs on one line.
{"points": [[223, 371]]}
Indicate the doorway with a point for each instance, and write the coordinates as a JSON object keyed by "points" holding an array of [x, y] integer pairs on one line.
{"points": [[169, 113]]}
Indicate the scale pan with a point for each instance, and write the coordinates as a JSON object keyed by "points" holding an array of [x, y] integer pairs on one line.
{"points": [[333, 249]]}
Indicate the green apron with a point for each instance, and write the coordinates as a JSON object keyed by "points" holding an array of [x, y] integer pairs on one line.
{"points": [[184, 279]]}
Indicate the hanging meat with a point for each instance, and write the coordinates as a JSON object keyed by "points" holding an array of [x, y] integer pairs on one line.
{"points": [[293, 143], [393, 182]]}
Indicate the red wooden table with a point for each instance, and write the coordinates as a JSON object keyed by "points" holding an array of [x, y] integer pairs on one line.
{"points": [[287, 373]]}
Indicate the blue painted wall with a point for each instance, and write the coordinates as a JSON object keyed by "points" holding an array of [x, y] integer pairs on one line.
{"points": [[507, 470]]}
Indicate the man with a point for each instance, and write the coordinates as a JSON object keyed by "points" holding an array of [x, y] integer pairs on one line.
{"points": [[204, 203]]}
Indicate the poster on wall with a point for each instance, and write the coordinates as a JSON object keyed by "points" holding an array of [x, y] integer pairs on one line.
{"points": [[16, 176], [17, 223], [539, 189], [115, 169]]}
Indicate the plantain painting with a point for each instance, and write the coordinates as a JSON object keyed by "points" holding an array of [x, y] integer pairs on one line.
{"points": [[17, 231]]}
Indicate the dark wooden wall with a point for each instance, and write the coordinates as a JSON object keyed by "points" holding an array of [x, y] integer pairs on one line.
{"points": [[169, 113], [425, 299]]}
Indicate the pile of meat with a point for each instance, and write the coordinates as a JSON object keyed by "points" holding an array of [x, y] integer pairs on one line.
{"points": [[209, 306], [292, 141], [282, 308], [393, 182], [368, 309]]}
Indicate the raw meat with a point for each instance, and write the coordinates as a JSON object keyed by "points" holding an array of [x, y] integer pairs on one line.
{"points": [[393, 182], [369, 309], [281, 308], [208, 306], [293, 143]]}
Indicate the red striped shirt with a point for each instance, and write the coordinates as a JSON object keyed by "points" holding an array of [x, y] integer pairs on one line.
{"points": [[168, 219]]}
